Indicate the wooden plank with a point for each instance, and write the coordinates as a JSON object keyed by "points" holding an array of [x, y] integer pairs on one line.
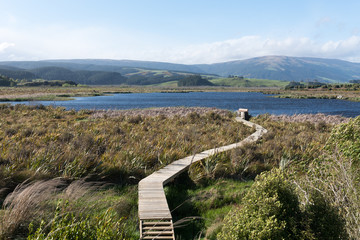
{"points": [[147, 223], [157, 228], [159, 232], [158, 237]]}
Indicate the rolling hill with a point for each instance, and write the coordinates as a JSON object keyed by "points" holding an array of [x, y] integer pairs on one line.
{"points": [[60, 73], [288, 69], [147, 72]]}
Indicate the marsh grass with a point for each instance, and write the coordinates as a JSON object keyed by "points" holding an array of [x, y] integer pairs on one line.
{"points": [[41, 143], [36, 203], [46, 141], [222, 180], [329, 93], [296, 140], [199, 209]]}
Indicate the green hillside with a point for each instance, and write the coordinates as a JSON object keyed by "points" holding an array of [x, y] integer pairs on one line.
{"points": [[235, 82], [116, 72], [248, 82], [110, 76], [288, 69], [167, 84]]}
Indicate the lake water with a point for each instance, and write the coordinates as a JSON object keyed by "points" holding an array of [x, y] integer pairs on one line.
{"points": [[257, 103]]}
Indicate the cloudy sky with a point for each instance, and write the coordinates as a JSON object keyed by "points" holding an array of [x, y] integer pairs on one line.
{"points": [[179, 31]]}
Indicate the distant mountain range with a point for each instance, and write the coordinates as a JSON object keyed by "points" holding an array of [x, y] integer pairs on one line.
{"points": [[101, 71], [288, 69]]}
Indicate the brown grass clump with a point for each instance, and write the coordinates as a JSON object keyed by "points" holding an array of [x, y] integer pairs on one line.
{"points": [[25, 203], [51, 142], [32, 202], [160, 111], [313, 118], [296, 140]]}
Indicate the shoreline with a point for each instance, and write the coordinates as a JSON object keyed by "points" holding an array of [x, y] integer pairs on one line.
{"points": [[23, 94], [185, 111]]}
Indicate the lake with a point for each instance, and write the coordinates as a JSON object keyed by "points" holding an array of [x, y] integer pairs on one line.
{"points": [[257, 103]]}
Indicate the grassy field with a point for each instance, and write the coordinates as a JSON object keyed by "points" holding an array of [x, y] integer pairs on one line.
{"points": [[172, 84], [237, 83], [248, 82]]}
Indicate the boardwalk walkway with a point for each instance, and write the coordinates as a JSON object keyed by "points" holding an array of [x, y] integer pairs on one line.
{"points": [[154, 214]]}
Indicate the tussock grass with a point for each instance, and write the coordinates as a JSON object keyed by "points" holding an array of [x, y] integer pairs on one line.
{"points": [[199, 209], [222, 180], [36, 203], [41, 143], [45, 141], [318, 118], [26, 202], [296, 140]]}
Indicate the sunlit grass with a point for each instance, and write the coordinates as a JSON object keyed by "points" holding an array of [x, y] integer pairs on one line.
{"points": [[47, 141], [251, 82], [40, 142]]}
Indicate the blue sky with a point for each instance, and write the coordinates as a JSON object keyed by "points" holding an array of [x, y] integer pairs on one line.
{"points": [[186, 31]]}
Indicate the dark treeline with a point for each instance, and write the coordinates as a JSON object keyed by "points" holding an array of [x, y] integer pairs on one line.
{"points": [[152, 78], [353, 85], [52, 83], [194, 80], [57, 73], [6, 81]]}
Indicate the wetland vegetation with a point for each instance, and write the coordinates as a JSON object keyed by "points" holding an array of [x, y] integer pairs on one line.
{"points": [[73, 174]]}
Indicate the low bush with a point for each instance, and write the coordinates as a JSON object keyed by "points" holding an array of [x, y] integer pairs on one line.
{"points": [[334, 176], [105, 226], [271, 210]]}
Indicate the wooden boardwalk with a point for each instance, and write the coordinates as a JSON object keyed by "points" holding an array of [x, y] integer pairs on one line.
{"points": [[154, 213]]}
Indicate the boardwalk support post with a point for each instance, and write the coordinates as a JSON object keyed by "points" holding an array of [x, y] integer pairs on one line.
{"points": [[244, 113]]}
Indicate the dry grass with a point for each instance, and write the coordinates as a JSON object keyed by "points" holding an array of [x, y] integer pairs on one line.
{"points": [[40, 142], [161, 111], [32, 202], [52, 142], [26, 202], [334, 93], [297, 139], [312, 118]]}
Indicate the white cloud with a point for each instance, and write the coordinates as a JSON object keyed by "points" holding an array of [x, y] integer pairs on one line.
{"points": [[62, 42], [5, 45], [253, 46], [54, 42]]}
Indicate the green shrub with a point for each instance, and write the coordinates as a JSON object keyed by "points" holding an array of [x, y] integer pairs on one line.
{"points": [[105, 226], [335, 177], [324, 219], [346, 139], [270, 210]]}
